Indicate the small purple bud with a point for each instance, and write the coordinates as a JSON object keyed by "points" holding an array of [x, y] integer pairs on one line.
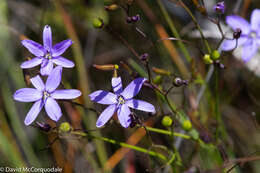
{"points": [[220, 7], [218, 64], [144, 57], [128, 20], [237, 33], [136, 18], [177, 82]]}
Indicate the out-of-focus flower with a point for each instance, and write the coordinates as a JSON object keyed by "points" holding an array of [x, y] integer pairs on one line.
{"points": [[220, 7], [250, 36], [47, 54], [120, 101], [45, 95]]}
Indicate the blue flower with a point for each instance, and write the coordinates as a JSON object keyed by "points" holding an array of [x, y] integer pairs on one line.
{"points": [[120, 101], [47, 54]]}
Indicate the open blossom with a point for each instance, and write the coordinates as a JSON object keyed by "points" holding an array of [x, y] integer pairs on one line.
{"points": [[250, 35], [47, 54], [45, 95], [120, 101]]}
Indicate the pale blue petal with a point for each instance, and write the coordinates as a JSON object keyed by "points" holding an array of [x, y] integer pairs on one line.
{"points": [[61, 47], [103, 97], [123, 114], [140, 105], [66, 94], [31, 63], [33, 113], [236, 22], [228, 45], [53, 80], [47, 38], [63, 62], [106, 115], [117, 85], [53, 109], [133, 88], [27, 95], [249, 49], [255, 20], [46, 67], [34, 48], [38, 83]]}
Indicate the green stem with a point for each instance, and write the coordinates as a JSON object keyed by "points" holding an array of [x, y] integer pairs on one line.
{"points": [[197, 25], [122, 144], [166, 132], [174, 31]]}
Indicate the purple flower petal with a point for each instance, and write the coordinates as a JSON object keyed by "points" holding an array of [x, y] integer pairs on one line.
{"points": [[103, 97], [47, 38], [53, 109], [117, 85], [46, 67], [106, 115], [27, 95], [34, 111], [133, 88], [61, 47], [231, 44], [238, 22], [255, 20], [123, 114], [63, 62], [140, 105], [249, 49], [53, 80], [66, 94], [33, 47], [31, 63], [38, 83]]}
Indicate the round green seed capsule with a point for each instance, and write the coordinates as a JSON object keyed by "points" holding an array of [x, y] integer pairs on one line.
{"points": [[207, 59], [97, 23], [215, 55], [166, 121], [65, 127], [158, 79], [186, 125]]}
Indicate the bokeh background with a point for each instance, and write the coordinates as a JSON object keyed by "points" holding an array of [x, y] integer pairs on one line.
{"points": [[116, 43]]}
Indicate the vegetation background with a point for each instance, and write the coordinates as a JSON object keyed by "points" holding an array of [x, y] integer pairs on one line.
{"points": [[226, 117]]}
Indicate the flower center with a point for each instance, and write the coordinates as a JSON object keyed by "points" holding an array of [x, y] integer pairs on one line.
{"points": [[48, 55], [46, 95], [120, 100], [253, 34]]}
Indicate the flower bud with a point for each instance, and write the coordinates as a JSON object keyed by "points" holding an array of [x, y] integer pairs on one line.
{"points": [[43, 126], [144, 57], [220, 7], [167, 121], [186, 125], [237, 33], [135, 18], [97, 23], [106, 67], [65, 127], [215, 55], [157, 80], [111, 7], [161, 71], [207, 59]]}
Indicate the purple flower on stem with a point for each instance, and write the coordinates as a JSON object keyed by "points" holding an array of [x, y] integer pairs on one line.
{"points": [[220, 7], [45, 95], [249, 38], [47, 54], [120, 101]]}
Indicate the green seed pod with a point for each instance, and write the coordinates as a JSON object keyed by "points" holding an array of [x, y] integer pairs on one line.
{"points": [[98, 23], [158, 79], [207, 59], [65, 127], [186, 125], [167, 121], [215, 55]]}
